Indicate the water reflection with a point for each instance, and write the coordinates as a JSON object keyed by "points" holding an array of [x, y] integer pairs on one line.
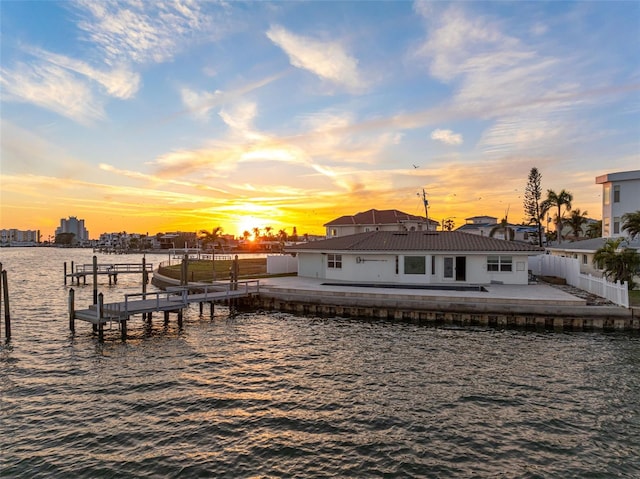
{"points": [[279, 395]]}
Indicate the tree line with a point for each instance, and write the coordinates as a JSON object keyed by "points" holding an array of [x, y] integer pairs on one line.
{"points": [[560, 205]]}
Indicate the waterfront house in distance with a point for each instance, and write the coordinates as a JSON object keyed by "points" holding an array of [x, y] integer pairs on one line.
{"points": [[416, 257], [620, 195], [484, 225], [378, 220]]}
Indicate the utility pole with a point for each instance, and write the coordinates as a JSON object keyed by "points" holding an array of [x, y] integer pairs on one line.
{"points": [[426, 206]]}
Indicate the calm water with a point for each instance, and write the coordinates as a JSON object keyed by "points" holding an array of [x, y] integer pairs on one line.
{"points": [[275, 395]]}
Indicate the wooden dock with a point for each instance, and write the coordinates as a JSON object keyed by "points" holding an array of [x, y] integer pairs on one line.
{"points": [[112, 270], [174, 299]]}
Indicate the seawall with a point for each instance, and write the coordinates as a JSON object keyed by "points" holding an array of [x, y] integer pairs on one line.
{"points": [[501, 306]]}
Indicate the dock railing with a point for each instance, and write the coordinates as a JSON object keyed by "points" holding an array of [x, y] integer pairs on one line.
{"points": [[114, 268], [178, 297], [212, 291]]}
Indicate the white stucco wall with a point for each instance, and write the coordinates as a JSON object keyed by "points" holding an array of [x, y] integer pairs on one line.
{"points": [[381, 268]]}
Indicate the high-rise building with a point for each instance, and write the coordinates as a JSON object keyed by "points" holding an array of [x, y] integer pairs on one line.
{"points": [[75, 226]]}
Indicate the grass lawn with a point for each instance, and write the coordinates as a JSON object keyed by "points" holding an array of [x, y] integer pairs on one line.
{"points": [[202, 270], [634, 298]]}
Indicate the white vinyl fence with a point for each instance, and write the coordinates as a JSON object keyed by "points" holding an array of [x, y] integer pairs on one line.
{"points": [[281, 264], [569, 269]]}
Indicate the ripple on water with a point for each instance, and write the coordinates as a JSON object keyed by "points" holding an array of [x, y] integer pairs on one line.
{"points": [[274, 395]]}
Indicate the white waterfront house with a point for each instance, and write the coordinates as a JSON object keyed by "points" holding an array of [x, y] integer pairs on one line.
{"points": [[416, 257], [620, 195], [378, 220]]}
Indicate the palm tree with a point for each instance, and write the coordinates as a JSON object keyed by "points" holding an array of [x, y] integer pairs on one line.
{"points": [[245, 235], [557, 200], [504, 228], [213, 237], [576, 220], [631, 223], [256, 233], [594, 230], [282, 236], [618, 265], [448, 225]]}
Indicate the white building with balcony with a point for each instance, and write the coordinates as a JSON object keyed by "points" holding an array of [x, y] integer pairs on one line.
{"points": [[620, 195]]}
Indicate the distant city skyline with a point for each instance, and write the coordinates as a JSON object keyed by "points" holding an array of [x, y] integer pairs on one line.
{"points": [[156, 117]]}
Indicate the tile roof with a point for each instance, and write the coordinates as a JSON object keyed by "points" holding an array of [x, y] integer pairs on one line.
{"points": [[376, 217], [446, 241]]}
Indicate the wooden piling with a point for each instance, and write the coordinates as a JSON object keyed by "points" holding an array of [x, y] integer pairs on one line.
{"points": [[144, 276], [7, 312], [72, 275], [1, 287], [65, 273], [72, 311], [184, 280], [123, 329], [100, 304], [95, 279]]}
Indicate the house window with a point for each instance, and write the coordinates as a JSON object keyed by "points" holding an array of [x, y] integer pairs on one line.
{"points": [[605, 227], [616, 194], [584, 259], [397, 264], [616, 225], [433, 264], [334, 232], [499, 263], [415, 265], [334, 261], [606, 193]]}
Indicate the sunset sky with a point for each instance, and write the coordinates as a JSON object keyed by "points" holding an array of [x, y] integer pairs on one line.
{"points": [[149, 117]]}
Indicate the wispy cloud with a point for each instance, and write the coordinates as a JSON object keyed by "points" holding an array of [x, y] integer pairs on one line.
{"points": [[118, 82], [446, 136], [120, 34], [532, 95], [143, 32], [53, 88], [326, 59], [201, 103], [24, 151]]}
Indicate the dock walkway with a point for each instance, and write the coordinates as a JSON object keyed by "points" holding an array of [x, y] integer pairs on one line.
{"points": [[173, 299], [81, 271]]}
